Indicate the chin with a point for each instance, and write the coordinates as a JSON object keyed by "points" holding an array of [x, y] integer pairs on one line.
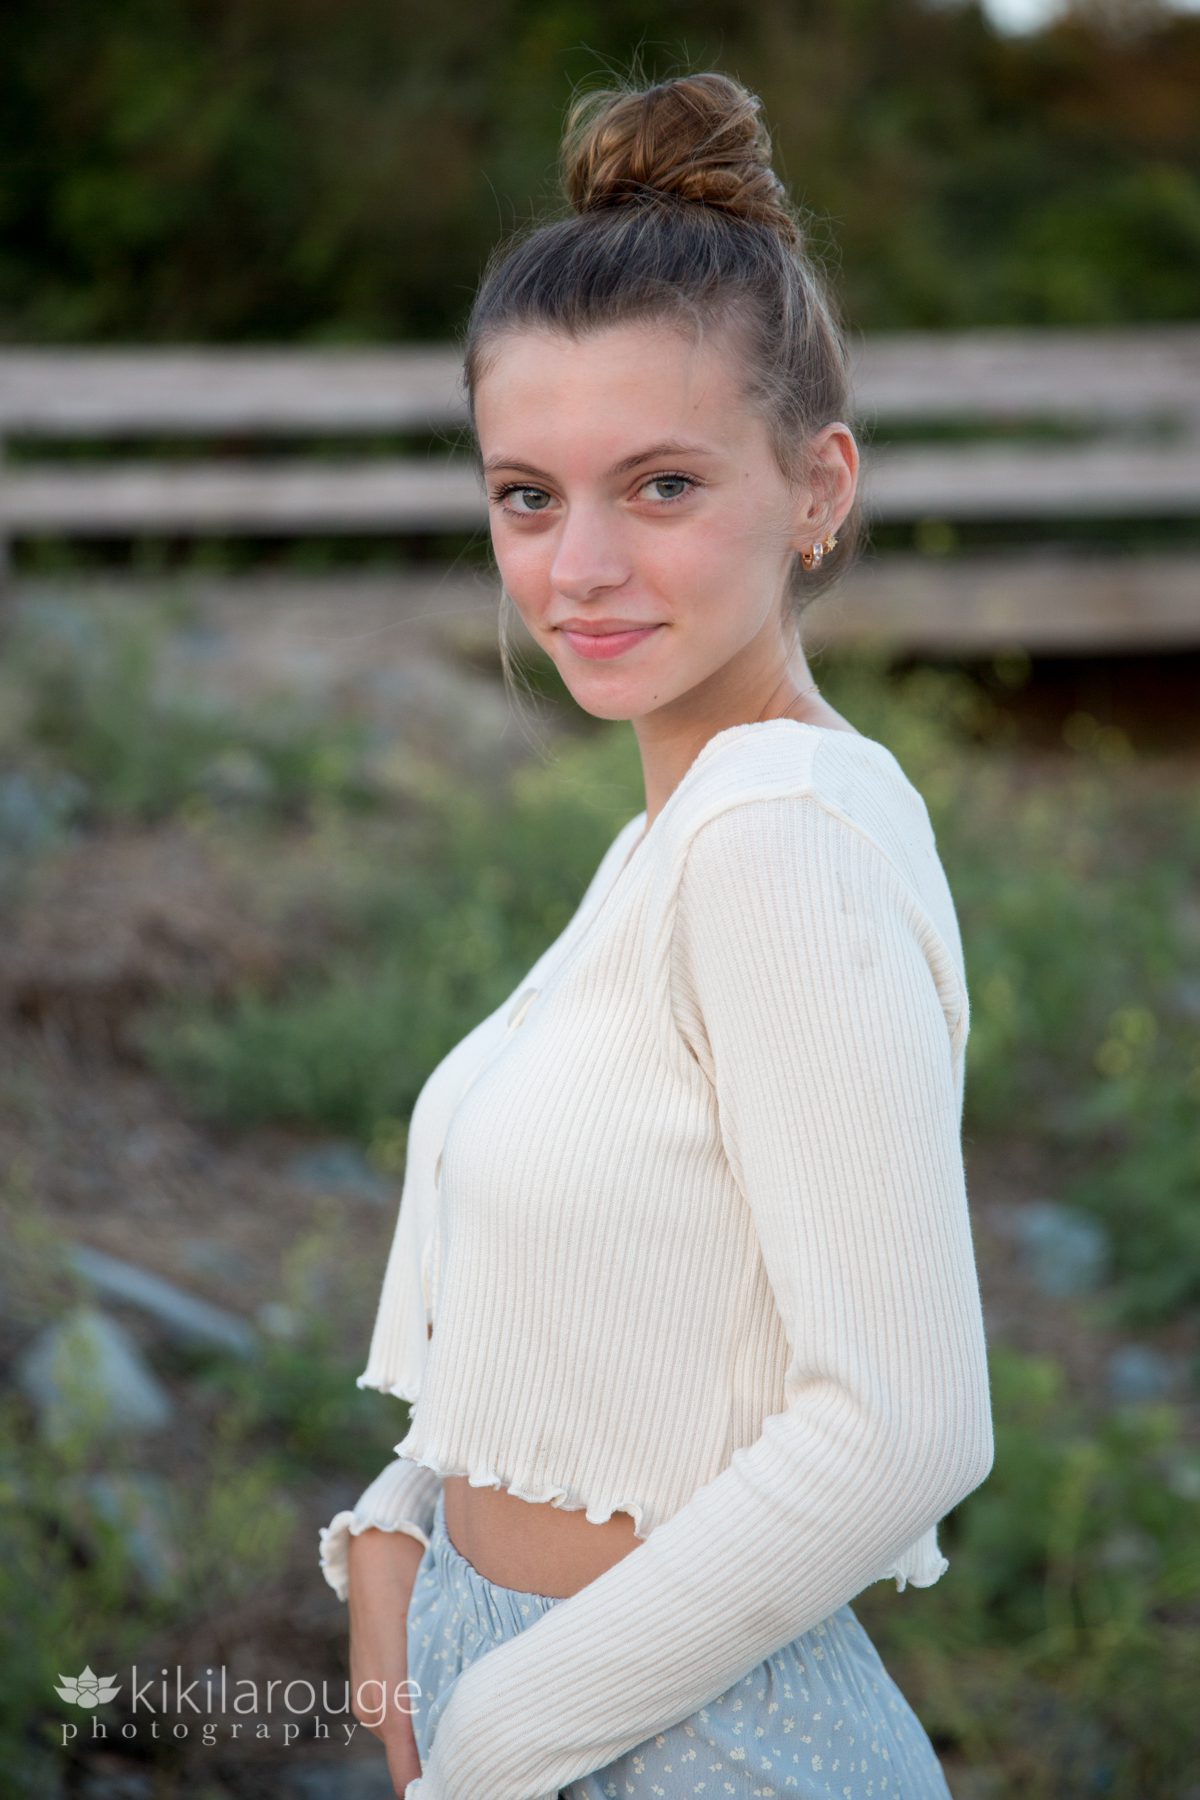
{"points": [[614, 711]]}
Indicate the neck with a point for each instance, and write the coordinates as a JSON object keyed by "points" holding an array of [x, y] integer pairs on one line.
{"points": [[791, 694]]}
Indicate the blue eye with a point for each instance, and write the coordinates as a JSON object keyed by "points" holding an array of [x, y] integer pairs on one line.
{"points": [[502, 493], [671, 498]]}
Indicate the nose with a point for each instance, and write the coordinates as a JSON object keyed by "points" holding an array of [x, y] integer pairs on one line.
{"points": [[588, 557]]}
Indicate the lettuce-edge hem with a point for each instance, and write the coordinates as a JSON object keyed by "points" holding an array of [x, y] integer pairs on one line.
{"points": [[335, 1544]]}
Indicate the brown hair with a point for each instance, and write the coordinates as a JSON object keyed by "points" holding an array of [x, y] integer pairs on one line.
{"points": [[678, 215]]}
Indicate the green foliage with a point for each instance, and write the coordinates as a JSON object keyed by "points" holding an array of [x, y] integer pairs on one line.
{"points": [[92, 704], [73, 1589], [1058, 1656], [1145, 1187], [262, 171], [1061, 1646], [298, 1393], [1082, 952], [445, 932]]}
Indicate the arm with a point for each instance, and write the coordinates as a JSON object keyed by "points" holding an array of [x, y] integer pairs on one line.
{"points": [[383, 1569], [827, 1014], [401, 1498], [370, 1556]]}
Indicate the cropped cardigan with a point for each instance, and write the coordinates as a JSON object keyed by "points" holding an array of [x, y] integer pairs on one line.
{"points": [[690, 1210]]}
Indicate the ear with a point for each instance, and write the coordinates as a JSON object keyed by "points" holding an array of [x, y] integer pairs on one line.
{"points": [[832, 483]]}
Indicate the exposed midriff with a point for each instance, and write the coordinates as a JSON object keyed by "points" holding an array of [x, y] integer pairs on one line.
{"points": [[536, 1548]]}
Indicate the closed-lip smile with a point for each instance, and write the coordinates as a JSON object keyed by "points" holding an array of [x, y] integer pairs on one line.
{"points": [[605, 627], [603, 640]]}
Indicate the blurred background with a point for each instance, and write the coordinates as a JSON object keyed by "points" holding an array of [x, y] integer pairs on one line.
{"points": [[274, 831]]}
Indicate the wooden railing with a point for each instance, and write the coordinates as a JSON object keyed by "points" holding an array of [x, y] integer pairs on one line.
{"points": [[1134, 392]]}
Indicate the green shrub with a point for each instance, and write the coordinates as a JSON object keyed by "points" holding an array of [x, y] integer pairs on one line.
{"points": [[1060, 1646]]}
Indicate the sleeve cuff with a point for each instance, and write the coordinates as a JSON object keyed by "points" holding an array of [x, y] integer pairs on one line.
{"points": [[403, 1497], [335, 1545]]}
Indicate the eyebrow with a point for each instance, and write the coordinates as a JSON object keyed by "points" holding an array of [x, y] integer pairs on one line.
{"points": [[669, 447]]}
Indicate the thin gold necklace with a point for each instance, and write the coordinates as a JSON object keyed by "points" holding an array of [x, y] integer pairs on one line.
{"points": [[759, 721], [787, 709]]}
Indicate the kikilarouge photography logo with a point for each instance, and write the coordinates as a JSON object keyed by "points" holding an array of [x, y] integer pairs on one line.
{"points": [[212, 1706], [88, 1689]]}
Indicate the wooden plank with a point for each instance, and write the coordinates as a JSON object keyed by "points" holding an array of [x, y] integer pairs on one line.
{"points": [[1105, 374], [293, 499], [1047, 602], [373, 495], [1016, 481], [258, 390], [1001, 374]]}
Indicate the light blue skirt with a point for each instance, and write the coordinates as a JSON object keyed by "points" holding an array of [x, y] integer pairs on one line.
{"points": [[821, 1717]]}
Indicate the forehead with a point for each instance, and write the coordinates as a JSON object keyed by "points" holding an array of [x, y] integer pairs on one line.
{"points": [[601, 391]]}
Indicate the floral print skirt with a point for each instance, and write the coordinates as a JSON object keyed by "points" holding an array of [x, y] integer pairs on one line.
{"points": [[821, 1717]]}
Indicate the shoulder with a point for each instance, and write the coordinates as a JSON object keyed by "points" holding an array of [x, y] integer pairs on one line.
{"points": [[751, 784], [806, 843]]}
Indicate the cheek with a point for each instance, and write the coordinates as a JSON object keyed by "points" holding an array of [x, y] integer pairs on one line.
{"points": [[524, 559], [702, 569], [691, 563]]}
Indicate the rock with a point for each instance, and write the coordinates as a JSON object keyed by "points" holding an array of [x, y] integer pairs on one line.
{"points": [[1184, 995], [337, 1167], [35, 808], [1135, 1372], [183, 1317], [142, 1509], [221, 1262], [1065, 1251], [85, 1375]]}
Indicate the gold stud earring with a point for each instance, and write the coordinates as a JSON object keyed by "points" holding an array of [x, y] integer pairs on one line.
{"points": [[811, 558]]}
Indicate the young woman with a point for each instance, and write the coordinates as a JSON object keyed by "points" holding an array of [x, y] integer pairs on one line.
{"points": [[688, 1209]]}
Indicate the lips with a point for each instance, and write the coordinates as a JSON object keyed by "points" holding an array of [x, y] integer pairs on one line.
{"points": [[611, 628], [596, 645]]}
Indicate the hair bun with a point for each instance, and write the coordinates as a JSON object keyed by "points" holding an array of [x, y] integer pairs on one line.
{"points": [[698, 137]]}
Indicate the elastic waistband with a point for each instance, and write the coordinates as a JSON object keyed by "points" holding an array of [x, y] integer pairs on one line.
{"points": [[497, 1612]]}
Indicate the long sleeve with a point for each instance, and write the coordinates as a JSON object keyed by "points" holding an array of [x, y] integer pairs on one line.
{"points": [[403, 1494], [402, 1497], [828, 1015]]}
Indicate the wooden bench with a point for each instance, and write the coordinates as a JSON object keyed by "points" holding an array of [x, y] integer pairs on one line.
{"points": [[1135, 393]]}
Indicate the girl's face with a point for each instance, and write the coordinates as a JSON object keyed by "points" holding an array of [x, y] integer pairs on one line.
{"points": [[628, 485]]}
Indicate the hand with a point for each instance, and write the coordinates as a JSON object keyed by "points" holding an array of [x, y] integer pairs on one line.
{"points": [[382, 1570], [403, 1760]]}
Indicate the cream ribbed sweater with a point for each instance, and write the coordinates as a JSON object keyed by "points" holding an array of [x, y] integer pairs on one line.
{"points": [[690, 1211]]}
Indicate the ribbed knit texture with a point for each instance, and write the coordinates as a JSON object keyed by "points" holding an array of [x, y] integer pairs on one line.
{"points": [[689, 1209]]}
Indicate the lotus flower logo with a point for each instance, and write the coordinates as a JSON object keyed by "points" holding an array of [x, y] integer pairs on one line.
{"points": [[88, 1689]]}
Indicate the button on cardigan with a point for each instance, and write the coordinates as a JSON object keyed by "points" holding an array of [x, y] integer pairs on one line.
{"points": [[690, 1211]]}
